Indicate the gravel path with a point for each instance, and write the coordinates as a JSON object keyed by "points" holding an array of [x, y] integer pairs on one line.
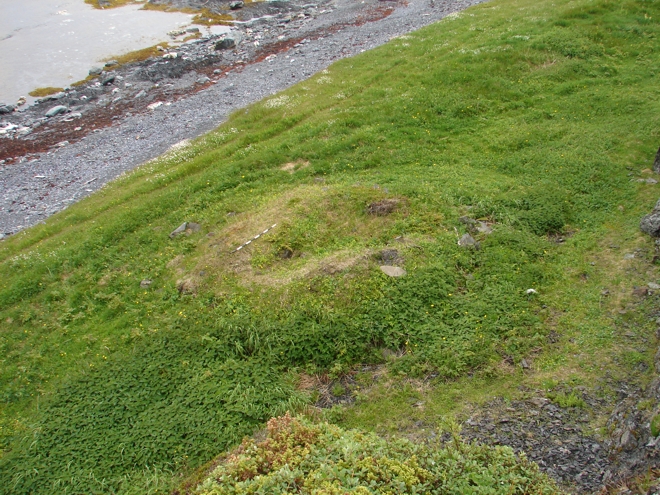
{"points": [[34, 188]]}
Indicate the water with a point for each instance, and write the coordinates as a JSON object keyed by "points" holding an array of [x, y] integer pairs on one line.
{"points": [[55, 42]]}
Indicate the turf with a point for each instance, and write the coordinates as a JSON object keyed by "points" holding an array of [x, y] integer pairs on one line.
{"points": [[533, 117]]}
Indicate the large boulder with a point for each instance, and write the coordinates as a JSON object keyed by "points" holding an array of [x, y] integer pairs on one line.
{"points": [[651, 222]]}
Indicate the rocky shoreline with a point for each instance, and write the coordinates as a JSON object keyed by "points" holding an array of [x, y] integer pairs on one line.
{"points": [[68, 145]]}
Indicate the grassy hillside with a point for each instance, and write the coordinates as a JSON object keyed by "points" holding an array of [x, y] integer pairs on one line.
{"points": [[532, 117]]}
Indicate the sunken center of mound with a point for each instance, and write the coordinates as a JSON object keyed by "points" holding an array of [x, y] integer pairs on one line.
{"points": [[311, 230]]}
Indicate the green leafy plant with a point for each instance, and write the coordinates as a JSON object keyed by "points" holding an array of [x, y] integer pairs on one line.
{"points": [[301, 457]]}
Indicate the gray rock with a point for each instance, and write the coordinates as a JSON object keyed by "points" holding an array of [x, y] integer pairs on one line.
{"points": [[203, 80], [145, 283], [111, 63], [225, 44], [185, 228], [393, 271], [653, 286], [192, 30], [484, 228], [389, 255], [236, 5], [179, 230], [109, 79], [95, 71], [539, 401], [651, 222], [56, 111], [55, 97], [467, 241], [230, 40], [141, 94], [627, 440], [6, 108]]}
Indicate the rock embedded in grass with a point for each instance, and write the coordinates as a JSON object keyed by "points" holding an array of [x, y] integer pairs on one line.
{"points": [[651, 222], [393, 271], [656, 162], [467, 241], [383, 207], [179, 230], [484, 228], [390, 256]]}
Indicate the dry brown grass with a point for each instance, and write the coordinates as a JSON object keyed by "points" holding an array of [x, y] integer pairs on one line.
{"points": [[293, 167]]}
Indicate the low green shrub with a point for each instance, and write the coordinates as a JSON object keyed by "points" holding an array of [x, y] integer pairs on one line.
{"points": [[300, 457], [570, 399]]}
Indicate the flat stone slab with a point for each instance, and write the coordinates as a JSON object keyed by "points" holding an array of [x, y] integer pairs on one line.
{"points": [[393, 271]]}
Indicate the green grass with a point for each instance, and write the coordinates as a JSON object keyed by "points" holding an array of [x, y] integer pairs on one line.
{"points": [[528, 115]]}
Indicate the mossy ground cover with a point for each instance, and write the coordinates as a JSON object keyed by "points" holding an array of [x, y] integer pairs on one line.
{"points": [[39, 92], [535, 118]]}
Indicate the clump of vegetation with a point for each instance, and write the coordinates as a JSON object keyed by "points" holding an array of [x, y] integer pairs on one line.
{"points": [[210, 18], [139, 55], [41, 92], [567, 399], [300, 457], [655, 425], [167, 7], [109, 4]]}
